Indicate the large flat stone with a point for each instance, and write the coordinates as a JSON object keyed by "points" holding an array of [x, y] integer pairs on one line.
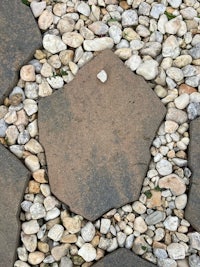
{"points": [[123, 257], [20, 36], [192, 212], [97, 136], [13, 180]]}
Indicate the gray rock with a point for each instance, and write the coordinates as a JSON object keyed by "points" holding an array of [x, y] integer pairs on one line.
{"points": [[31, 90], [189, 71], [66, 262], [164, 167], [171, 223], [37, 211], [170, 47], [160, 253], [121, 238], [88, 232], [129, 18], [3, 127], [53, 43], [115, 33], [157, 10], [152, 49], [195, 51], [176, 251], [194, 240], [193, 110], [194, 260], [155, 217], [176, 115]]}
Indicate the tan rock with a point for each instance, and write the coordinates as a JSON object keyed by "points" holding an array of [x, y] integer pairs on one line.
{"points": [[43, 247], [59, 251], [155, 200], [140, 225], [22, 118], [45, 20], [27, 73], [72, 224], [68, 238], [35, 257], [174, 183], [33, 146], [33, 187], [40, 176], [157, 244]]}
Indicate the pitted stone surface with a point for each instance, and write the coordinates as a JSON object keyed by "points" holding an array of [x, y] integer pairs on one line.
{"points": [[13, 180], [192, 212], [97, 136], [20, 37], [123, 257]]}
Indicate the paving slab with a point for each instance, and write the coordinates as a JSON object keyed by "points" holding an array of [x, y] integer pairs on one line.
{"points": [[13, 180], [123, 257], [97, 136], [192, 212], [20, 37]]}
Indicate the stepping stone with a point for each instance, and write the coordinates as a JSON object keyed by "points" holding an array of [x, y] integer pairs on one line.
{"points": [[123, 257], [20, 37], [97, 136], [13, 180], [192, 212]]}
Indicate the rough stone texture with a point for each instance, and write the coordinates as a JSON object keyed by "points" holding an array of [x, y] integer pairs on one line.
{"points": [[20, 37], [192, 213], [13, 179], [122, 257], [97, 136]]}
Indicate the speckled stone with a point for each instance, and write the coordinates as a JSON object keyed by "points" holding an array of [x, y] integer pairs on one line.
{"points": [[193, 205], [20, 37], [13, 180], [98, 136], [122, 257]]}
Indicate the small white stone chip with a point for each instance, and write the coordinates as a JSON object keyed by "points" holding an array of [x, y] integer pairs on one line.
{"points": [[102, 76]]}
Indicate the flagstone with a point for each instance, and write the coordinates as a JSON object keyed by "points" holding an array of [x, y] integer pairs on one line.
{"points": [[20, 37], [13, 180], [122, 257], [192, 212], [97, 136]]}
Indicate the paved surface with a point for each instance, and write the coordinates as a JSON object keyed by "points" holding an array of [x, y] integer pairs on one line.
{"points": [[20, 37], [13, 179], [192, 212], [97, 136], [123, 258]]}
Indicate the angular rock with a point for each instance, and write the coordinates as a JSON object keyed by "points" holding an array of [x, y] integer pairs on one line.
{"points": [[122, 257], [90, 136], [193, 205], [14, 51], [13, 180]]}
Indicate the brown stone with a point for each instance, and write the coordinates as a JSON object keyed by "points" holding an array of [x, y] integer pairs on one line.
{"points": [[192, 212], [97, 136], [20, 37], [13, 181], [122, 257], [184, 88]]}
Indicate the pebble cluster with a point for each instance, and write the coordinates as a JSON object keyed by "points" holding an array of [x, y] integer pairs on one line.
{"points": [[159, 40]]}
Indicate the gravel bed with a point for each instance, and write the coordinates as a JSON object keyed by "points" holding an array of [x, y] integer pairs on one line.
{"points": [[157, 40]]}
